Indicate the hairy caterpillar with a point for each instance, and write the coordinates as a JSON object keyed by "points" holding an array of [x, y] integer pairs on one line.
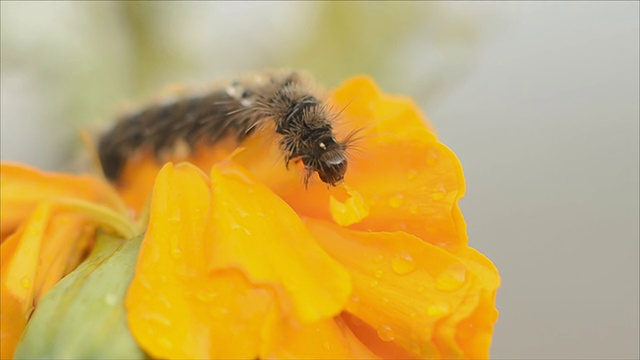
{"points": [[303, 123]]}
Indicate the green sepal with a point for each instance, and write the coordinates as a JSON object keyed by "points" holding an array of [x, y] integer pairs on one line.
{"points": [[84, 316]]}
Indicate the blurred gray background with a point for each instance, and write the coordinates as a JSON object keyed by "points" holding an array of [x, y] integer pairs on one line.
{"points": [[540, 100]]}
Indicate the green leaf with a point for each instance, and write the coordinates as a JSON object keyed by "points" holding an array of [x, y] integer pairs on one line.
{"points": [[83, 316]]}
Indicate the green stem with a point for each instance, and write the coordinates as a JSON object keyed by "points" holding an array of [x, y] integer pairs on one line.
{"points": [[99, 214]]}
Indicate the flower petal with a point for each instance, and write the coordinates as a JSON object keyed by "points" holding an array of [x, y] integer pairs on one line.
{"points": [[23, 187], [327, 339], [365, 106], [86, 308], [217, 279], [33, 259], [413, 293], [251, 228], [400, 178]]}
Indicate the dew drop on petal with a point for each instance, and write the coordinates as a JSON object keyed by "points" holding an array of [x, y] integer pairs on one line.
{"points": [[25, 282], [452, 278], [354, 304], [378, 259], [402, 263], [413, 209], [326, 345], [412, 174], [205, 295], [420, 289], [176, 252], [385, 333], [378, 274], [437, 196], [373, 283], [432, 157], [439, 308], [396, 200], [351, 211]]}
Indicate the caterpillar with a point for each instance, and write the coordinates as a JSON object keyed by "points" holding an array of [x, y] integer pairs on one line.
{"points": [[303, 123]]}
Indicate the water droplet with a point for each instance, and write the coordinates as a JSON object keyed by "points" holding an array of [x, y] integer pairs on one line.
{"points": [[452, 278], [441, 192], [326, 345], [205, 295], [396, 200], [414, 348], [111, 299], [25, 282], [432, 157], [176, 252], [412, 174], [385, 333], [242, 213], [413, 209], [34, 230], [420, 289], [373, 283], [246, 231], [439, 308], [354, 304], [378, 259], [378, 274], [403, 263]]}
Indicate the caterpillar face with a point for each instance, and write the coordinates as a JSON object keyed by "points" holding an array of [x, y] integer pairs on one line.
{"points": [[302, 119]]}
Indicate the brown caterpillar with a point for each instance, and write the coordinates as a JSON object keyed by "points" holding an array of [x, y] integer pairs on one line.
{"points": [[301, 117]]}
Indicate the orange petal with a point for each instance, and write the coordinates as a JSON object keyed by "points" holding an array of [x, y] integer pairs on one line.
{"points": [[24, 187], [140, 171], [176, 308], [327, 339], [34, 258], [413, 293], [365, 106], [370, 338], [215, 279], [251, 228], [400, 178]]}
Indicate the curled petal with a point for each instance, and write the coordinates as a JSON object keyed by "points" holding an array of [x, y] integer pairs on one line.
{"points": [[326, 339], [23, 188], [400, 178], [254, 229], [46, 248], [411, 292], [226, 268]]}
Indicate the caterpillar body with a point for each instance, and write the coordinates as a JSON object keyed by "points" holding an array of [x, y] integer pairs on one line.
{"points": [[302, 120]]}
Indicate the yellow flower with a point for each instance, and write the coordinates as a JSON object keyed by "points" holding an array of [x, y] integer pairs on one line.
{"points": [[48, 223], [245, 262]]}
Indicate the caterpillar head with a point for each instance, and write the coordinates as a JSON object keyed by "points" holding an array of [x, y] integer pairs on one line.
{"points": [[327, 157]]}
